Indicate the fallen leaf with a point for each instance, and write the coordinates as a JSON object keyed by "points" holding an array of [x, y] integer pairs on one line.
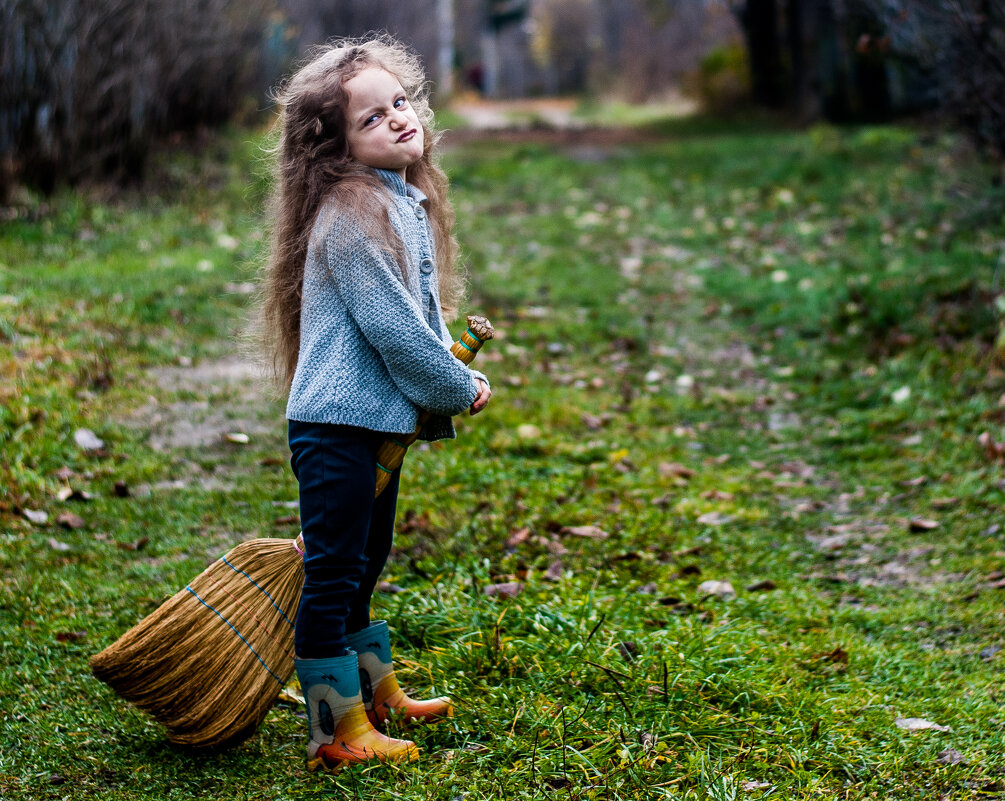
{"points": [[237, 437], [291, 695], [918, 724], [70, 636], [138, 545], [555, 547], [588, 532], [287, 520], [831, 544], [944, 503], [720, 589], [839, 654], [714, 519], [509, 589], [56, 545], [87, 440], [992, 449], [413, 522], [554, 571], [528, 431], [989, 653], [595, 422], [668, 469], [749, 786], [951, 757], [650, 588], [629, 651], [389, 588], [71, 521], [923, 524], [39, 518], [518, 537], [64, 474], [716, 495], [762, 586]]}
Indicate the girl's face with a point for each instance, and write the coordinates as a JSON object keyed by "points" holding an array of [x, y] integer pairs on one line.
{"points": [[383, 129]]}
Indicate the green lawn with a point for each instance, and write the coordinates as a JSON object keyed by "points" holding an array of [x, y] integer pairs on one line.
{"points": [[758, 357]]}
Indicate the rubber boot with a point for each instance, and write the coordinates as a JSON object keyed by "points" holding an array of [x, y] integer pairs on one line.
{"points": [[382, 696], [340, 732]]}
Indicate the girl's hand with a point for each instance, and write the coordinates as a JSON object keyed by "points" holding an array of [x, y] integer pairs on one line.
{"points": [[482, 398]]}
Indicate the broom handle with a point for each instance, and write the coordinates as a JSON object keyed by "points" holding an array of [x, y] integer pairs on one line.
{"points": [[392, 452]]}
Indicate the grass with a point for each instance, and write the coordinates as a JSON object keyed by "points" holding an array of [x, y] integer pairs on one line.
{"points": [[761, 357]]}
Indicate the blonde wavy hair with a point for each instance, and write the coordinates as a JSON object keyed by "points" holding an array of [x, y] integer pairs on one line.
{"points": [[313, 166]]}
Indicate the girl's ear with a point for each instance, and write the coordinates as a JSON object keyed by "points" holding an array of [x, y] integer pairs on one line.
{"points": [[318, 127]]}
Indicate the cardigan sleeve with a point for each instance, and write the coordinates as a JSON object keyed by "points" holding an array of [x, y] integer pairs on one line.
{"points": [[368, 282]]}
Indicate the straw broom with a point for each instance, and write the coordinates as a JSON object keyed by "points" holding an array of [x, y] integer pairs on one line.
{"points": [[209, 663]]}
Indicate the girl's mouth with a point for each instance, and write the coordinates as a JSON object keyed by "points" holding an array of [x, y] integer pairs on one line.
{"points": [[407, 135]]}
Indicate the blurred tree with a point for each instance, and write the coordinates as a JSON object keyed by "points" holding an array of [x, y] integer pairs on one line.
{"points": [[827, 58], [871, 59], [960, 46], [84, 87]]}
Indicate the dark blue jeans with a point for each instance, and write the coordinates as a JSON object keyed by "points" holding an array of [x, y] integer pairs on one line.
{"points": [[347, 533]]}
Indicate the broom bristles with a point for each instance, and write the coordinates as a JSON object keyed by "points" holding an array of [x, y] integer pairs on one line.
{"points": [[209, 663]]}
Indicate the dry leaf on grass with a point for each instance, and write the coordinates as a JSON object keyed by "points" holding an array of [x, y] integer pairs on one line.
{"points": [[588, 532], [71, 521], [675, 470], [39, 518], [714, 519], [87, 440], [918, 724], [992, 449], [509, 589], [951, 757], [71, 494], [720, 589], [518, 537]]}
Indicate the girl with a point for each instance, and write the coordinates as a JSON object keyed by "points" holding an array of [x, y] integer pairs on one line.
{"points": [[361, 271]]}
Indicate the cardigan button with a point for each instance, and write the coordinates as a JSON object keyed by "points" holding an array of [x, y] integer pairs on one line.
{"points": [[420, 212], [426, 266]]}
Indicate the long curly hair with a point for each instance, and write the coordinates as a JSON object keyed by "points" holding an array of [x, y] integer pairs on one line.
{"points": [[313, 166]]}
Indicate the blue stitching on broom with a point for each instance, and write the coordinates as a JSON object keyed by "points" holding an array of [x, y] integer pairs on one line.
{"points": [[260, 589], [211, 609]]}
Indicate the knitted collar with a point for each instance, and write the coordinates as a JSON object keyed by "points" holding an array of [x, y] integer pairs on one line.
{"points": [[397, 185]]}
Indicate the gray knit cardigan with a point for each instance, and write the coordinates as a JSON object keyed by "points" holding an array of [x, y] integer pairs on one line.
{"points": [[374, 348]]}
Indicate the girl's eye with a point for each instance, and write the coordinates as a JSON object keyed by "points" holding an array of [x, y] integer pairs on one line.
{"points": [[401, 101], [370, 120]]}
